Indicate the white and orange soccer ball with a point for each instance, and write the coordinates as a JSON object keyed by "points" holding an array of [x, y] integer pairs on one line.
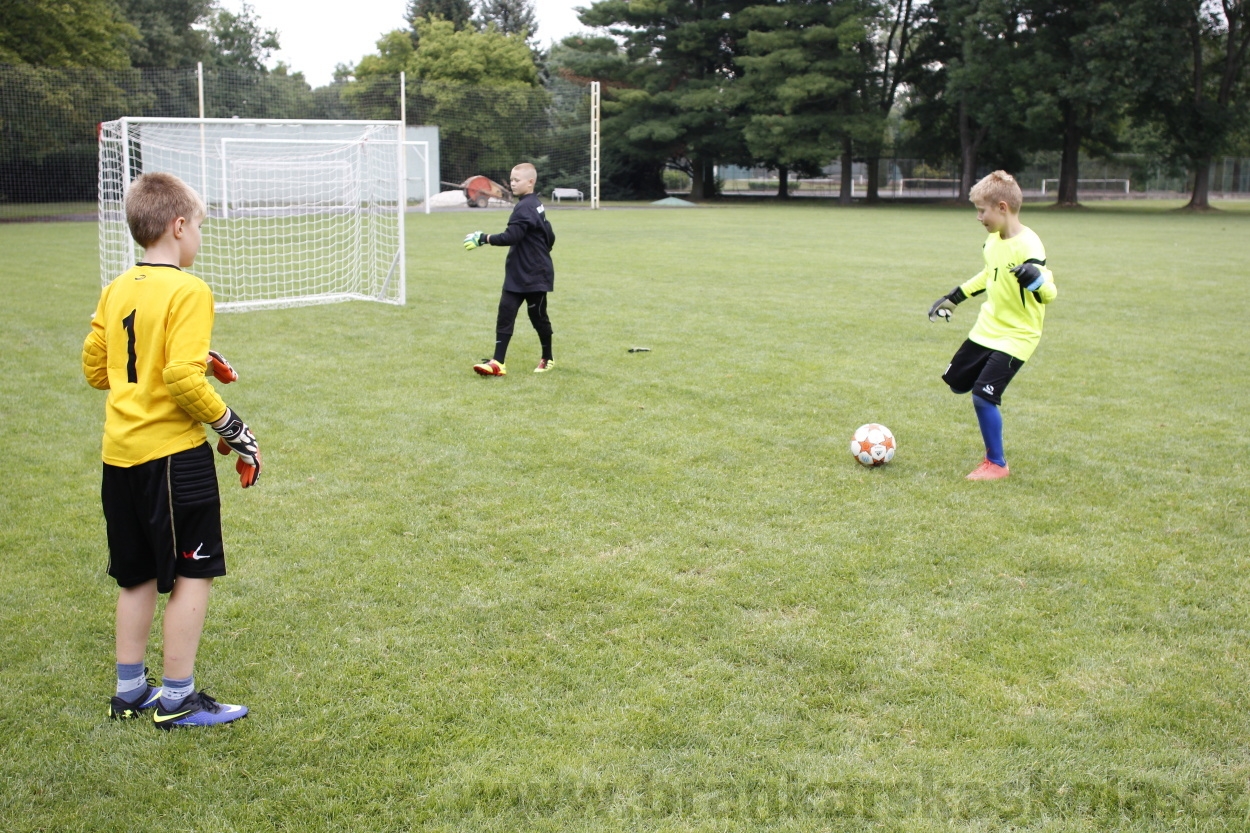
{"points": [[873, 445]]}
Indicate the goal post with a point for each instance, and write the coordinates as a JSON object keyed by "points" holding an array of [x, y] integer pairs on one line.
{"points": [[299, 212], [421, 191], [595, 126]]}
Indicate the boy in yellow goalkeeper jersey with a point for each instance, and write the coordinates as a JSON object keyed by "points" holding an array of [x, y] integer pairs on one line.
{"points": [[1017, 287], [149, 348]]}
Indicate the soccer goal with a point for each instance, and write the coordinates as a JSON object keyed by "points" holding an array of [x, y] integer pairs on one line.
{"points": [[926, 187], [299, 212], [1094, 186]]}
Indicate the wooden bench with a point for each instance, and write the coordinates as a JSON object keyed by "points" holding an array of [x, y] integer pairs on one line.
{"points": [[558, 194]]}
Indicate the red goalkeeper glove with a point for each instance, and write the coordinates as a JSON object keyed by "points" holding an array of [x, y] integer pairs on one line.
{"points": [[220, 368], [237, 437]]}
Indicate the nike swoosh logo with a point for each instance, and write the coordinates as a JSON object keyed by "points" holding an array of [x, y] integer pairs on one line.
{"points": [[168, 717]]}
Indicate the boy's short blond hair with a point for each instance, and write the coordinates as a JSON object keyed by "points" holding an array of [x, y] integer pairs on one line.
{"points": [[997, 187], [153, 201], [527, 169]]}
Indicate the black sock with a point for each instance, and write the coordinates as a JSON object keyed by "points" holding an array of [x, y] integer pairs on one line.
{"points": [[501, 347]]}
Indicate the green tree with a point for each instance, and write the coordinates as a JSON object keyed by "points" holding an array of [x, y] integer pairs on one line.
{"points": [[967, 100], [61, 71], [1076, 92], [802, 69], [445, 53], [238, 41], [1188, 78], [65, 33], [674, 100], [480, 88], [459, 12], [170, 31], [491, 57], [890, 61], [628, 169], [512, 17]]}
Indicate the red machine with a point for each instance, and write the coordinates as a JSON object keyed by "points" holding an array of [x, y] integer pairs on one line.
{"points": [[478, 191]]}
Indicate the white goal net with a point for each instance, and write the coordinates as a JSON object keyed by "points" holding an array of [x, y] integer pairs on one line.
{"points": [[299, 212]]}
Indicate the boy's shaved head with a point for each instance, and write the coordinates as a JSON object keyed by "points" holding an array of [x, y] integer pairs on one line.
{"points": [[523, 180], [997, 187], [153, 201]]}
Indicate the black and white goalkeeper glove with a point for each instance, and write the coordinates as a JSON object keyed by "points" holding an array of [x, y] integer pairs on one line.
{"points": [[237, 437], [944, 306]]}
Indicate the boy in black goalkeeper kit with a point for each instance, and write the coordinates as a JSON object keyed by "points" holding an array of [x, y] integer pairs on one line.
{"points": [[528, 273]]}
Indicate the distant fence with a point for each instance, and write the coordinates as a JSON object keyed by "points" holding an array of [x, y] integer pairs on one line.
{"points": [[1127, 176], [49, 119]]}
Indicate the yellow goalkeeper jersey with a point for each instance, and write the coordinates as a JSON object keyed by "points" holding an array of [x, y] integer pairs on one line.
{"points": [[148, 347], [1011, 317]]}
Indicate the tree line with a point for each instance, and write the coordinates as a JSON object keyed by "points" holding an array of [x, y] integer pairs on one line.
{"points": [[66, 65], [794, 84], [789, 85]]}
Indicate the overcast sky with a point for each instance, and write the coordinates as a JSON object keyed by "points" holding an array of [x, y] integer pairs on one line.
{"points": [[318, 34]]}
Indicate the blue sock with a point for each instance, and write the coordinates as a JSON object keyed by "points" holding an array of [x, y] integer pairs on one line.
{"points": [[130, 680], [991, 422], [173, 692]]}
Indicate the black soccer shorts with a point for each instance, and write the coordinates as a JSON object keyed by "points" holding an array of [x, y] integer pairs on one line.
{"points": [[164, 519], [983, 372]]}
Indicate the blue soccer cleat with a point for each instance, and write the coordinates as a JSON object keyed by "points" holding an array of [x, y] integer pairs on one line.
{"points": [[198, 709]]}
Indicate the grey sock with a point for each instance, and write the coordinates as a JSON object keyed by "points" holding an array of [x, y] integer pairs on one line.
{"points": [[173, 692], [130, 680]]}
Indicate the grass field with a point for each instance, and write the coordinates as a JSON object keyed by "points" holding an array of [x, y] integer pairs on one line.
{"points": [[652, 591]]}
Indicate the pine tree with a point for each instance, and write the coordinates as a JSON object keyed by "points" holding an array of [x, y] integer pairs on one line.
{"points": [[459, 12], [682, 61], [511, 17], [804, 67]]}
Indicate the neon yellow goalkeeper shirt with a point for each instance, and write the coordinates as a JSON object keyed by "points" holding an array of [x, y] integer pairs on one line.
{"points": [[148, 347], [1011, 316]]}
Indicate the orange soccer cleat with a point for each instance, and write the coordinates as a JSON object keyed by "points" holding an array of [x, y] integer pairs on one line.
{"points": [[989, 471], [490, 367]]}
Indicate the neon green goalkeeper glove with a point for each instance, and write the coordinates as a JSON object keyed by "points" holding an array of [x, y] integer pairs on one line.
{"points": [[472, 241]]}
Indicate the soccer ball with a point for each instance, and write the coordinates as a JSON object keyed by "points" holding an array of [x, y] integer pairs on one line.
{"points": [[872, 445]]}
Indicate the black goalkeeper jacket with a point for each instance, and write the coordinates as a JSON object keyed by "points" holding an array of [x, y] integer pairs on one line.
{"points": [[529, 267]]}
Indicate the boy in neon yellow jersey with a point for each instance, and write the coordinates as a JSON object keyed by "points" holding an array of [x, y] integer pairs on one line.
{"points": [[1017, 287]]}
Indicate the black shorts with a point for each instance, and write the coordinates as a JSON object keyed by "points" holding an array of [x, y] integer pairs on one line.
{"points": [[984, 372], [164, 519]]}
